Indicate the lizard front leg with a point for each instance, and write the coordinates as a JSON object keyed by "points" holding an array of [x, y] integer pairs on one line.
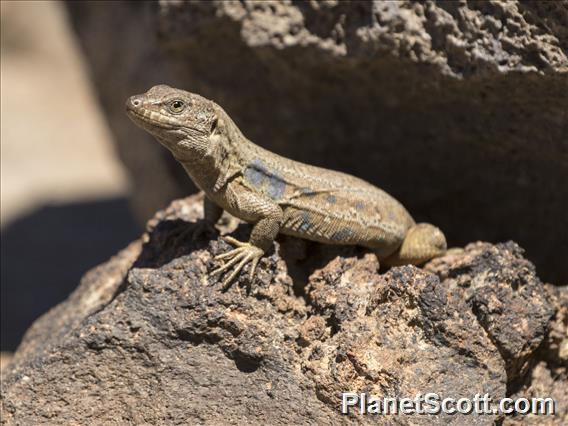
{"points": [[211, 211], [211, 215], [269, 219]]}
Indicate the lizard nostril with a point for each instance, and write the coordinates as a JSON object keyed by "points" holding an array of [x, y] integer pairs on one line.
{"points": [[133, 103]]}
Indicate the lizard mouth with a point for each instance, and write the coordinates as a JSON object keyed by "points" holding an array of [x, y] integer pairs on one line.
{"points": [[150, 117]]}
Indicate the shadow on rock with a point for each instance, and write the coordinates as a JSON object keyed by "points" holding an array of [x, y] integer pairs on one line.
{"points": [[45, 253], [170, 240]]}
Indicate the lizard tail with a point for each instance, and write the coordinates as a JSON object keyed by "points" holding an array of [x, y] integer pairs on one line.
{"points": [[422, 242]]}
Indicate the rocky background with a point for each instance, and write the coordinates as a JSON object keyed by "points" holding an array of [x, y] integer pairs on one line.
{"points": [[459, 109]]}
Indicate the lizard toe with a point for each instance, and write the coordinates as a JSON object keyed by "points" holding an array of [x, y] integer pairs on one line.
{"points": [[253, 268], [230, 254], [230, 263], [235, 242], [229, 279], [238, 259]]}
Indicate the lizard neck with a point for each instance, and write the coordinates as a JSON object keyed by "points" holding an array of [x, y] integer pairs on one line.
{"points": [[219, 160], [202, 172]]}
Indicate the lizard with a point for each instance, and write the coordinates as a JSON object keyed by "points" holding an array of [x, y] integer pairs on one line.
{"points": [[274, 193]]}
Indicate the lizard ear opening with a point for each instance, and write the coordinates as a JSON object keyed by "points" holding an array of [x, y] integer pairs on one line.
{"points": [[214, 124]]}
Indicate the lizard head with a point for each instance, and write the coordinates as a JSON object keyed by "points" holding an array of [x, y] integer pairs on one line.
{"points": [[181, 121]]}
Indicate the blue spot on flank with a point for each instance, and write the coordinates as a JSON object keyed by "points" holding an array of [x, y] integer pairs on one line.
{"points": [[360, 205], [306, 222], [276, 187], [331, 199], [254, 176], [257, 174]]}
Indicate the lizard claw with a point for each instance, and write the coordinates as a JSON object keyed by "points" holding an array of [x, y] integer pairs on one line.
{"points": [[240, 256]]}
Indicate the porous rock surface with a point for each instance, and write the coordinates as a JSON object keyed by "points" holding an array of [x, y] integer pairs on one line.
{"points": [[151, 338], [457, 108]]}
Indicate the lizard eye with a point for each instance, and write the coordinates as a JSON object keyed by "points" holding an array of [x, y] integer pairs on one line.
{"points": [[176, 106]]}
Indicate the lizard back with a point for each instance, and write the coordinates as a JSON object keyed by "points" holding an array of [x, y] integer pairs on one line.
{"points": [[325, 205]]}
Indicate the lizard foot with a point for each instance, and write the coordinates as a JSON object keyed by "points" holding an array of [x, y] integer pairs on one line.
{"points": [[243, 254]]}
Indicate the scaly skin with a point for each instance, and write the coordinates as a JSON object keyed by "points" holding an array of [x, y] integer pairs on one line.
{"points": [[276, 194]]}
